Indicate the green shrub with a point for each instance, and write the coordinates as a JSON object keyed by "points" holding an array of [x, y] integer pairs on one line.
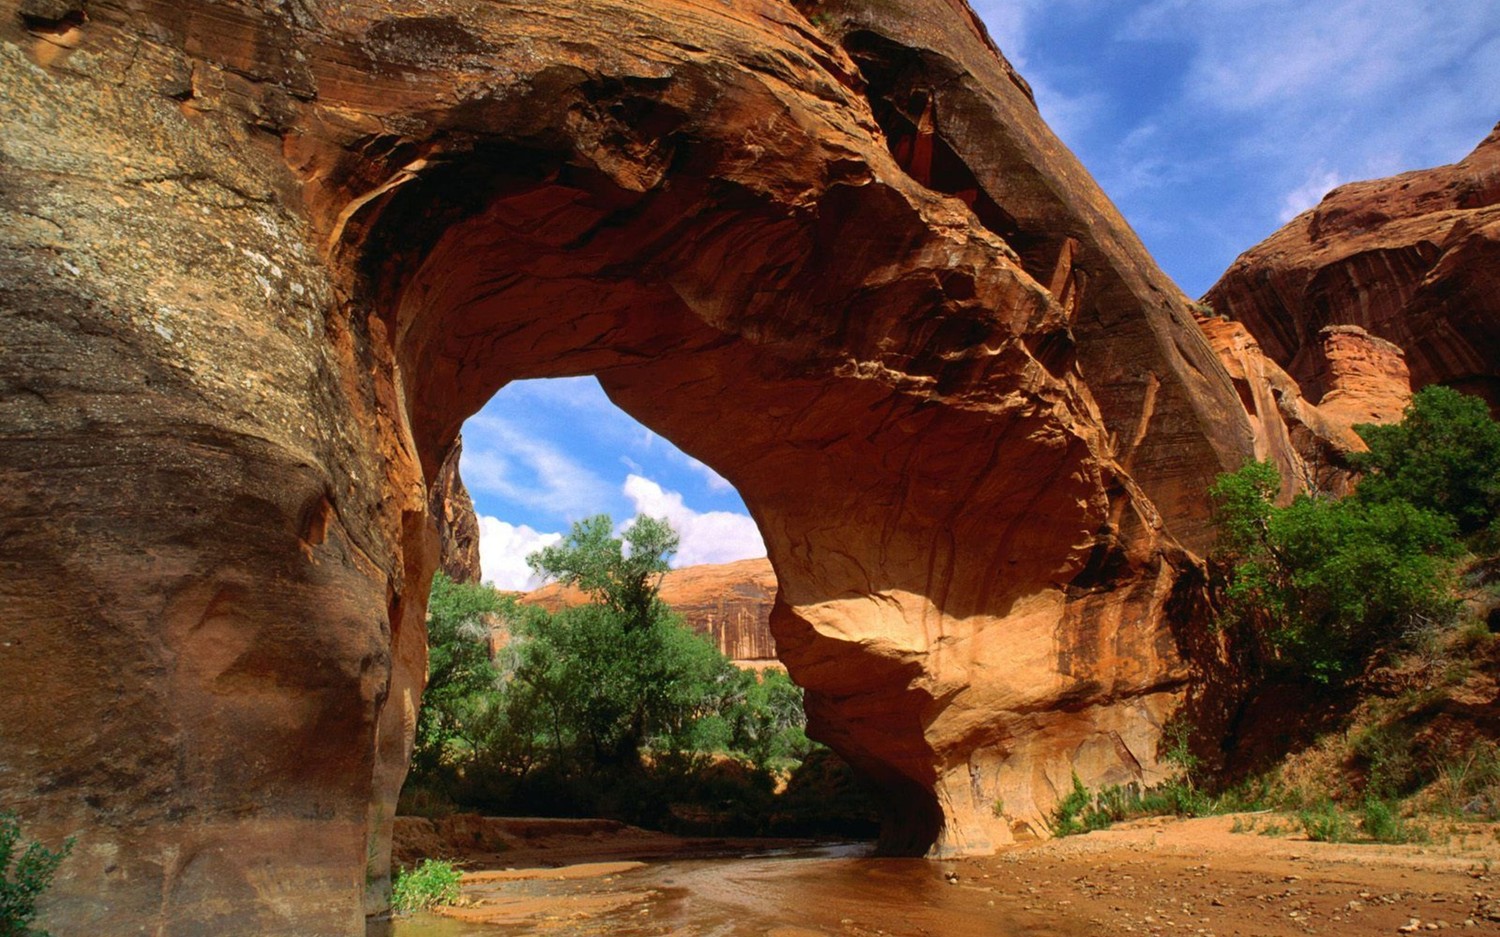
{"points": [[1068, 817], [24, 877], [1083, 812], [1383, 823], [612, 708], [1443, 457], [431, 883], [1322, 585], [1326, 823], [1391, 767]]}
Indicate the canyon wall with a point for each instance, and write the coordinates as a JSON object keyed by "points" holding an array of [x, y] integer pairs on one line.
{"points": [[728, 602], [259, 261], [1413, 259], [452, 510]]}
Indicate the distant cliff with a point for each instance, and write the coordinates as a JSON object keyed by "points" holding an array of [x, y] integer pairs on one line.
{"points": [[1413, 259], [729, 601]]}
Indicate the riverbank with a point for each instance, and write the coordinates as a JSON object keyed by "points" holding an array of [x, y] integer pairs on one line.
{"points": [[1168, 876], [1150, 877]]}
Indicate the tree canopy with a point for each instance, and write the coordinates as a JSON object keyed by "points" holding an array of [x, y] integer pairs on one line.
{"points": [[1444, 456], [1323, 584]]}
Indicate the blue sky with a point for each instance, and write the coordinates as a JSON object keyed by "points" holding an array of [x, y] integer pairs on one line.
{"points": [[1209, 122]]}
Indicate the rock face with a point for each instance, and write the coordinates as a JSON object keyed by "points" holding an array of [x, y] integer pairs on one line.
{"points": [[259, 261], [452, 510], [1367, 383], [1413, 259], [729, 602]]}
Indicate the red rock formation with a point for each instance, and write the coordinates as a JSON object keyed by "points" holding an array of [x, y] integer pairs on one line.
{"points": [[452, 509], [729, 602], [1412, 259], [1365, 378], [259, 262], [1367, 383]]}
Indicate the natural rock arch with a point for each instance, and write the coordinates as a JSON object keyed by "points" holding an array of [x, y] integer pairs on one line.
{"points": [[260, 262]]}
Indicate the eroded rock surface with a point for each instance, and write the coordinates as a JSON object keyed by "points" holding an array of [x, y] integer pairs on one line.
{"points": [[457, 525], [258, 262], [1413, 259], [1367, 382]]}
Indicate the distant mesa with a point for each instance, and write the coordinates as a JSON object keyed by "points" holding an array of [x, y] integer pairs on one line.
{"points": [[729, 602]]}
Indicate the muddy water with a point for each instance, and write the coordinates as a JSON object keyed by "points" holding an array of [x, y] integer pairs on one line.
{"points": [[831, 891]]}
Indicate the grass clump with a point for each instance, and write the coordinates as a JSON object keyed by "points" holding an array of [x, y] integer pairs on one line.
{"points": [[431, 883], [1076, 813], [1084, 811], [1383, 823], [1326, 823]]}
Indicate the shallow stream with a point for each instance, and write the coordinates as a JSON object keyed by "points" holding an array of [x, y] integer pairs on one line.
{"points": [[796, 893]]}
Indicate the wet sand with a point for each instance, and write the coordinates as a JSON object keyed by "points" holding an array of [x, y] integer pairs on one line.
{"points": [[1152, 877]]}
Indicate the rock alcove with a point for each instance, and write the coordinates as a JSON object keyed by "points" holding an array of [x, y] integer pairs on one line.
{"points": [[260, 261]]}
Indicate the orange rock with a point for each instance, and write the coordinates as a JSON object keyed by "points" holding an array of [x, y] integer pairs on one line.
{"points": [[261, 261], [729, 602], [1411, 259], [458, 527]]}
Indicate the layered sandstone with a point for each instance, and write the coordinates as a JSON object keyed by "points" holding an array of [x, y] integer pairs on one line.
{"points": [[1413, 259], [728, 602], [258, 262], [452, 510], [1366, 381]]}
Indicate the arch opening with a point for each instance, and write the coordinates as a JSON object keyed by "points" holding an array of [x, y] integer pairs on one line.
{"points": [[543, 454], [863, 381]]}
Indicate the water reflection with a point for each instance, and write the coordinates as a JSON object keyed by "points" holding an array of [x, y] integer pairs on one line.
{"points": [[791, 893]]}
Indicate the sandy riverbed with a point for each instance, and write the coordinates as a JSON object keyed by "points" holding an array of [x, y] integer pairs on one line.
{"points": [[1151, 877]]}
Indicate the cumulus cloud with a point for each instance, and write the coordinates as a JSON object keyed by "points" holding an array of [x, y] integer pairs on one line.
{"points": [[707, 536], [503, 549]]}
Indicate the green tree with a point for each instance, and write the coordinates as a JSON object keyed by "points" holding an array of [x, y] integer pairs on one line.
{"points": [[460, 673], [623, 669], [624, 581], [24, 876], [1323, 584], [1444, 456]]}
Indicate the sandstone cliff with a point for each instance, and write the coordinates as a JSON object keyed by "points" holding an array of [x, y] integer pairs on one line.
{"points": [[729, 602], [1413, 259], [452, 510], [259, 261]]}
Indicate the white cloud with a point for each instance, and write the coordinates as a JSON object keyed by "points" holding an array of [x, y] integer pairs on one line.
{"points": [[501, 459], [715, 482], [1309, 193], [708, 536], [503, 549], [1375, 86]]}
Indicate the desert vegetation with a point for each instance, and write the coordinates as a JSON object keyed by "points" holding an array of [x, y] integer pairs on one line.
{"points": [[613, 708], [26, 871], [1375, 604]]}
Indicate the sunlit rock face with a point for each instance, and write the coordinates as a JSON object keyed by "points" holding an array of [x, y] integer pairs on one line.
{"points": [[729, 603], [1366, 381], [1413, 259], [259, 262]]}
